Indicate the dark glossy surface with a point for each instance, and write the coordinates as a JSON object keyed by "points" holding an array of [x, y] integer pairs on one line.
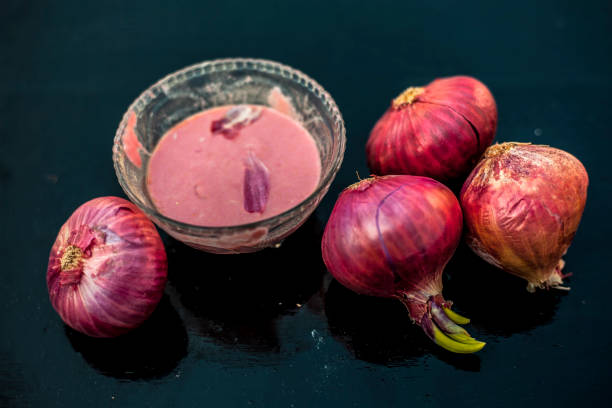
{"points": [[272, 328]]}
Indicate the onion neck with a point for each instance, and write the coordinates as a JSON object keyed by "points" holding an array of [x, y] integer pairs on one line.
{"points": [[500, 148], [363, 184], [418, 304], [407, 97], [82, 242], [71, 265]]}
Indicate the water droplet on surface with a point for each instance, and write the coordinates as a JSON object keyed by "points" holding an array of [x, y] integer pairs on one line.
{"points": [[199, 190], [318, 339]]}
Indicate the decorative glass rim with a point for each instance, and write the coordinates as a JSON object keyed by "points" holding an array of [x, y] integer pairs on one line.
{"points": [[231, 64]]}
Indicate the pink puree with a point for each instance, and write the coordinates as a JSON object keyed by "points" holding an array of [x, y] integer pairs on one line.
{"points": [[197, 177]]}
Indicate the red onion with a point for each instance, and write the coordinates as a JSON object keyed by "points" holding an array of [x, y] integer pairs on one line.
{"points": [[391, 237], [437, 131], [522, 205], [107, 268]]}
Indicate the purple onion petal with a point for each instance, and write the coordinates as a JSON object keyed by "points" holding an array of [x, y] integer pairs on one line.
{"points": [[256, 189], [235, 119]]}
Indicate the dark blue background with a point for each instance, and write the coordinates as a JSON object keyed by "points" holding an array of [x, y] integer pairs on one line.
{"points": [[273, 329]]}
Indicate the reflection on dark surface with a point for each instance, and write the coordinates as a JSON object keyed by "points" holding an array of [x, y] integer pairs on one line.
{"points": [[379, 331], [236, 299], [497, 302], [457, 184], [151, 351]]}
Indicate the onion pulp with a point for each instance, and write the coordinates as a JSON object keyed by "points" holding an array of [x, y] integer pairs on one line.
{"points": [[107, 268], [391, 237], [522, 206], [438, 131]]}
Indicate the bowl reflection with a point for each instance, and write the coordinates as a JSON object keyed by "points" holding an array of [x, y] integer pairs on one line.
{"points": [[150, 351], [236, 300], [379, 331], [497, 302]]}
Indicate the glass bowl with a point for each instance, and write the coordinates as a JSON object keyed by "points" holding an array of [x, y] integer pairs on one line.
{"points": [[224, 82]]}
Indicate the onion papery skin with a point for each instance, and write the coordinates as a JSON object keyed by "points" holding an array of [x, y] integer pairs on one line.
{"points": [[391, 237], [522, 206], [439, 131], [107, 268]]}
